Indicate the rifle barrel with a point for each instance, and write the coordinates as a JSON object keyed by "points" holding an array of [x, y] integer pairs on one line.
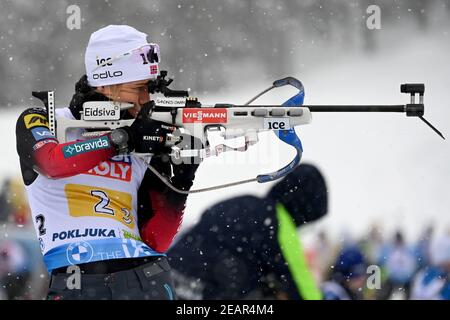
{"points": [[357, 108], [333, 108]]}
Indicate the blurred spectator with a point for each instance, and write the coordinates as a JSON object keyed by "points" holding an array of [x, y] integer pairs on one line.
{"points": [[5, 207], [13, 202], [348, 276], [249, 247], [20, 211], [14, 271], [422, 249], [324, 254], [400, 263], [373, 244], [433, 282]]}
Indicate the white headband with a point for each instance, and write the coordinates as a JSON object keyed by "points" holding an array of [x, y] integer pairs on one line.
{"points": [[119, 54]]}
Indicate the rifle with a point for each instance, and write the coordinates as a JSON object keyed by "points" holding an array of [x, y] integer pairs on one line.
{"points": [[229, 121]]}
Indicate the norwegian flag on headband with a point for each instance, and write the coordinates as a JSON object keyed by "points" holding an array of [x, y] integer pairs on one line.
{"points": [[153, 69]]}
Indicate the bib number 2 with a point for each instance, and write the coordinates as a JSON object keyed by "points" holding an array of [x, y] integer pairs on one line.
{"points": [[100, 202], [102, 206]]}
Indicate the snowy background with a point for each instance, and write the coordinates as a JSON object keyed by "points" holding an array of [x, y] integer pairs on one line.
{"points": [[381, 168]]}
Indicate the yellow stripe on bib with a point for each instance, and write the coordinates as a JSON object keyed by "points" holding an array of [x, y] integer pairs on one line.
{"points": [[89, 201]]}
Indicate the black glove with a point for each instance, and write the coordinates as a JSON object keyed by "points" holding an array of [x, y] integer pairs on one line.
{"points": [[145, 135], [184, 168]]}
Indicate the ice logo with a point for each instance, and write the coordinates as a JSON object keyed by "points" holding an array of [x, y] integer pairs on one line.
{"points": [[79, 252]]}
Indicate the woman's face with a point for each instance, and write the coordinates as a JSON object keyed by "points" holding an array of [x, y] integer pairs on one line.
{"points": [[135, 92]]}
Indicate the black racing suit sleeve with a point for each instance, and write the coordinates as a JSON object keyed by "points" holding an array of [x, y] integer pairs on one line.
{"points": [[160, 209], [25, 141]]}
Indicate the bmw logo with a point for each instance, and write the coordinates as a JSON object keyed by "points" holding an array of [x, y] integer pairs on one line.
{"points": [[79, 252]]}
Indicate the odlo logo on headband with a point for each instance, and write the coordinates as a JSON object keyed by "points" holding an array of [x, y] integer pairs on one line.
{"points": [[107, 74]]}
